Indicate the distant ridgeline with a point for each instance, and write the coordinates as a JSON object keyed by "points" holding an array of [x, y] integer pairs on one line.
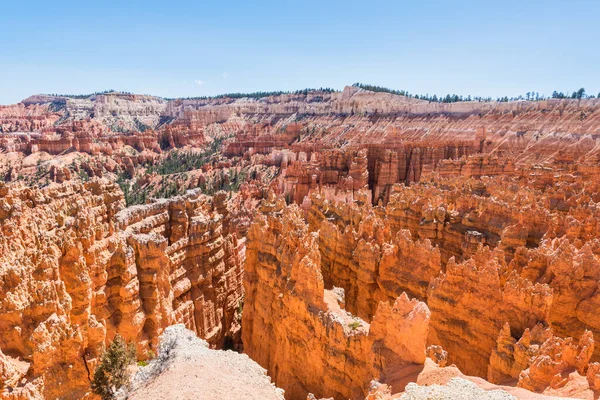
{"points": [[453, 98], [449, 98], [255, 95], [85, 96]]}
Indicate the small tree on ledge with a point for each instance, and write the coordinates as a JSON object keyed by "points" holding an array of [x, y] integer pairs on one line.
{"points": [[112, 372]]}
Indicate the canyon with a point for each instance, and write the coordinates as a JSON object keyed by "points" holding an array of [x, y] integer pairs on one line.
{"points": [[353, 244]]}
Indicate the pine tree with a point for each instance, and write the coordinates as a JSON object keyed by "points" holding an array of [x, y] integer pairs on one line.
{"points": [[580, 94], [112, 372]]}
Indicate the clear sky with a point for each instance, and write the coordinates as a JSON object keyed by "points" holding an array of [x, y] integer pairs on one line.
{"points": [[195, 48]]}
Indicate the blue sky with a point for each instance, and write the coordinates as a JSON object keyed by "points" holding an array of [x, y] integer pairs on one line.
{"points": [[195, 48]]}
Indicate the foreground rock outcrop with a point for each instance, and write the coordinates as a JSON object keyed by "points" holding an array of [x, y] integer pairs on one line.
{"points": [[185, 368]]}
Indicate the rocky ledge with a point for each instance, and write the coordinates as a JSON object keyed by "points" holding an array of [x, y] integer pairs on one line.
{"points": [[187, 369]]}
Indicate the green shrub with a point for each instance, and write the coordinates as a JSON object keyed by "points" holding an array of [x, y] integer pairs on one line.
{"points": [[83, 175], [112, 372], [354, 325]]}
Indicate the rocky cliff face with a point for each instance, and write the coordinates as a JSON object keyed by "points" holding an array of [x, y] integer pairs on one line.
{"points": [[77, 268], [482, 267], [296, 328], [118, 111]]}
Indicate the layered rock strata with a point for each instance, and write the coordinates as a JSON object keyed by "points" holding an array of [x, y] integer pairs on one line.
{"points": [[290, 320], [502, 307], [77, 268]]}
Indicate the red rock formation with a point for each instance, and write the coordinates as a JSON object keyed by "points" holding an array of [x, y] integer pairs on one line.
{"points": [[295, 329], [405, 138], [470, 303], [511, 356], [360, 254], [593, 376], [556, 359], [22, 118], [573, 274], [76, 269], [542, 361]]}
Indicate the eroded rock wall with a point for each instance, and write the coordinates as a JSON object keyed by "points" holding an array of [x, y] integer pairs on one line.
{"points": [[296, 329], [77, 268], [506, 265]]}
